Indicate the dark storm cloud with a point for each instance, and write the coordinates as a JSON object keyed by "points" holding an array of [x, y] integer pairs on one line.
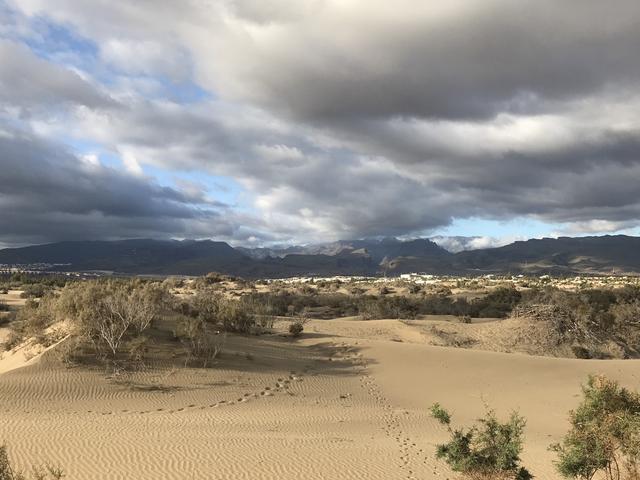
{"points": [[47, 193], [355, 118], [471, 60]]}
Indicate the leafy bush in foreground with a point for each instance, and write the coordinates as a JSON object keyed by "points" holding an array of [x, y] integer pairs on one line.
{"points": [[487, 451], [604, 435]]}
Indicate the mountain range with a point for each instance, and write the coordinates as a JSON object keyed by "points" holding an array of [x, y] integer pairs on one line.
{"points": [[618, 254]]}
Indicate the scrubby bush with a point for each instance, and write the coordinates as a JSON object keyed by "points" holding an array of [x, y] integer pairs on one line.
{"points": [[4, 307], [296, 328], [235, 316], [486, 451], [497, 304], [590, 318], [32, 320], [36, 290], [371, 308], [581, 352], [110, 312], [232, 315], [604, 435], [201, 342], [8, 472], [465, 319]]}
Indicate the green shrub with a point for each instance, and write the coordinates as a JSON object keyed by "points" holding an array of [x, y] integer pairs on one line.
{"points": [[604, 435], [499, 303], [489, 450]]}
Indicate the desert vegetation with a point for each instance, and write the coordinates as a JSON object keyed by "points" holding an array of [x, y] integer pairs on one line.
{"points": [[603, 441], [38, 472], [113, 318], [182, 347], [489, 450], [605, 434]]}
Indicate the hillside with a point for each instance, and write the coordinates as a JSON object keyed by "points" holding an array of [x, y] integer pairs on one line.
{"points": [[562, 256]]}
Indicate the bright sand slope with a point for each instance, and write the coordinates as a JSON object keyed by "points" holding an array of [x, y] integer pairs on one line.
{"points": [[349, 400]]}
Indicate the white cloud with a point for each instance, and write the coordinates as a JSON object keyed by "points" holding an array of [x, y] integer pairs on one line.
{"points": [[356, 118]]}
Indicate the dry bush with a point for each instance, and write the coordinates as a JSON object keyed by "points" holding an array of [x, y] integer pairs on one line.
{"points": [[297, 327], [32, 320], [108, 313], [201, 341], [232, 315], [604, 322], [39, 472], [35, 290]]}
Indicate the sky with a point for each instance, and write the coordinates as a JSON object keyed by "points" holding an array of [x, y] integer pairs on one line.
{"points": [[302, 121]]}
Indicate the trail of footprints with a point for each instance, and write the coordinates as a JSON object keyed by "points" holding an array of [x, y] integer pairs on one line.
{"points": [[281, 385], [410, 453]]}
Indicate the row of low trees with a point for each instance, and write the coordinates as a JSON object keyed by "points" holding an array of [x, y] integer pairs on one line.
{"points": [[498, 303], [604, 439]]}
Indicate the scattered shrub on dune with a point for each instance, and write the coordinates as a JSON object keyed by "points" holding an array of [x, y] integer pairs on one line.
{"points": [[235, 316], [40, 472], [108, 313], [201, 341], [497, 304], [604, 436], [232, 315], [581, 352], [489, 450], [32, 320], [36, 290], [296, 327]]}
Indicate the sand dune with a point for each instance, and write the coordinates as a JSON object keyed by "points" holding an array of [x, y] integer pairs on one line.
{"points": [[348, 400]]}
